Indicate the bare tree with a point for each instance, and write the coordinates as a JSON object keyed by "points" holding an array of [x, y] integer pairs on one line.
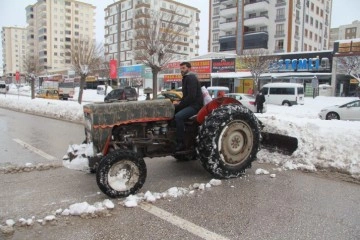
{"points": [[257, 61], [158, 35], [350, 65], [32, 68], [85, 57]]}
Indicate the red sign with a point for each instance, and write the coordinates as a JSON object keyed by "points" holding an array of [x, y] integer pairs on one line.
{"points": [[201, 66], [172, 77], [172, 65], [113, 69], [17, 76]]}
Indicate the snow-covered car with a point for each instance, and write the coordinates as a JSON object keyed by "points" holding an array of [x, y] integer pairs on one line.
{"points": [[347, 111], [246, 100]]}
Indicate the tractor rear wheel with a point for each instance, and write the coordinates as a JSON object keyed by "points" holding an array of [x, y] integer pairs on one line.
{"points": [[228, 141], [121, 173]]}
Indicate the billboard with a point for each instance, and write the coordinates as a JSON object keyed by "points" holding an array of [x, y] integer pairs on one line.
{"points": [[223, 65]]}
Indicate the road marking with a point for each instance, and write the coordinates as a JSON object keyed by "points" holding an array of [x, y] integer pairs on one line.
{"points": [[181, 223], [35, 150]]}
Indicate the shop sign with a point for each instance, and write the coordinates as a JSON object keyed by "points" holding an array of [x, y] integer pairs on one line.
{"points": [[223, 65]]}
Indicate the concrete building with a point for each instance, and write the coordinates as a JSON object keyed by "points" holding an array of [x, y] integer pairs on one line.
{"points": [[120, 19], [52, 25], [343, 32], [14, 48], [277, 25]]}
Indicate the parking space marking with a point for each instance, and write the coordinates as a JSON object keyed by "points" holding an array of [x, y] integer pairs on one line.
{"points": [[181, 223], [35, 150]]}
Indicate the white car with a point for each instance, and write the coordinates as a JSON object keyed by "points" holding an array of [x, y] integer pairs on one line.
{"points": [[348, 111], [246, 100]]}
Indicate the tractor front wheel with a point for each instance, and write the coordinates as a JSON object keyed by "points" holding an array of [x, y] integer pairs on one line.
{"points": [[121, 173]]}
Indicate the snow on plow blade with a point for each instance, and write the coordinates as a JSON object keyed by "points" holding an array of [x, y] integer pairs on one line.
{"points": [[77, 156], [279, 143]]}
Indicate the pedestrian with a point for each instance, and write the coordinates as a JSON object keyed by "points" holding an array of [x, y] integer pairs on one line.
{"points": [[259, 102], [190, 103]]}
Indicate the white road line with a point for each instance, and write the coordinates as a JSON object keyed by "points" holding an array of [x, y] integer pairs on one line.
{"points": [[35, 150], [181, 223]]}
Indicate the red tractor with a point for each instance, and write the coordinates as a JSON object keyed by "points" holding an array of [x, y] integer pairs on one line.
{"points": [[225, 136]]}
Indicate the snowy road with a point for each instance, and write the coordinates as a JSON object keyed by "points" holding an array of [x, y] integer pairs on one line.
{"points": [[293, 205]]}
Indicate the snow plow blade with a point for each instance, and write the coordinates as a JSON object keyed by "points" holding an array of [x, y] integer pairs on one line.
{"points": [[279, 143]]}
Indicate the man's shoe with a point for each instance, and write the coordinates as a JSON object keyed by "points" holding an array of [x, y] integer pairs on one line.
{"points": [[179, 147]]}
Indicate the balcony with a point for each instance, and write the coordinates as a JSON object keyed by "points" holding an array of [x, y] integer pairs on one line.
{"points": [[230, 10], [257, 21], [227, 43], [228, 25], [256, 5], [257, 39]]}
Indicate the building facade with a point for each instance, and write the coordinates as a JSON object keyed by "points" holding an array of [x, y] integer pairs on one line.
{"points": [[14, 49], [52, 26], [279, 26], [343, 32], [120, 20]]}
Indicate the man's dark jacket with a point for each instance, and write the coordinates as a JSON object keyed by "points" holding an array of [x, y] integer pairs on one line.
{"points": [[192, 95]]}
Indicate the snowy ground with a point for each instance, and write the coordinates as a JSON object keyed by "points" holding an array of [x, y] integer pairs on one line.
{"points": [[332, 145]]}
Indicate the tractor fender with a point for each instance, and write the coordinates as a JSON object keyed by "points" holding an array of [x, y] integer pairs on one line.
{"points": [[214, 104]]}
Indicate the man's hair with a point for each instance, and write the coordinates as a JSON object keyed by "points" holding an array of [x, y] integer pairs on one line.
{"points": [[187, 64]]}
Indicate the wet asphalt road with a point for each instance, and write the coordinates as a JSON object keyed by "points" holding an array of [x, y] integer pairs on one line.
{"points": [[294, 205]]}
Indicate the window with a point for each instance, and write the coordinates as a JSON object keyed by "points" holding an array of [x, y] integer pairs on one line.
{"points": [[280, 13], [279, 45], [216, 37], [216, 23], [282, 91], [217, 11], [279, 29]]}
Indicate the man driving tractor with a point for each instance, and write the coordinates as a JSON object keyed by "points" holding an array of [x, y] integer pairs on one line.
{"points": [[190, 103]]}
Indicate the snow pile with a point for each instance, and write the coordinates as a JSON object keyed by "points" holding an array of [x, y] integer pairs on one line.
{"points": [[84, 208], [174, 192], [77, 209], [79, 155]]}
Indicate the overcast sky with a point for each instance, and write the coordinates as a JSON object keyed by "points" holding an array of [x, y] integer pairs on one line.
{"points": [[12, 13]]}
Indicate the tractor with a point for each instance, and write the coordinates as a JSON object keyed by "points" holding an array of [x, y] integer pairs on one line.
{"points": [[225, 136]]}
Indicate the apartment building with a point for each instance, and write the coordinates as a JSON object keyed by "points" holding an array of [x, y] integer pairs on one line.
{"points": [[277, 25], [348, 31], [13, 41], [52, 25], [120, 20]]}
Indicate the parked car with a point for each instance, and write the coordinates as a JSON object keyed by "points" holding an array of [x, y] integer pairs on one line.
{"points": [[347, 111], [246, 100], [126, 93], [174, 96]]}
